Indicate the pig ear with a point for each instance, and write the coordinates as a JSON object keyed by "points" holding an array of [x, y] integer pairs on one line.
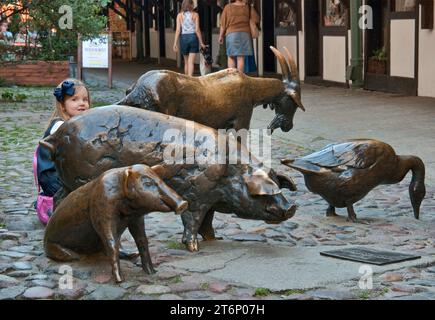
{"points": [[159, 170], [286, 182], [130, 89], [259, 184]]}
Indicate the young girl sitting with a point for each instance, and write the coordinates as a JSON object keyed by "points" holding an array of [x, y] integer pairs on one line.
{"points": [[72, 98]]}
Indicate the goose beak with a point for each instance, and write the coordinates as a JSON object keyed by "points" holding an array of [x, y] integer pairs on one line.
{"points": [[417, 192]]}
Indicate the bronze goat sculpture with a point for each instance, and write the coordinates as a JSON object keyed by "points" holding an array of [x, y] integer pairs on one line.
{"points": [[221, 100]]}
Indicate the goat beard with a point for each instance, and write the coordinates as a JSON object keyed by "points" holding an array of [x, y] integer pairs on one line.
{"points": [[277, 122]]}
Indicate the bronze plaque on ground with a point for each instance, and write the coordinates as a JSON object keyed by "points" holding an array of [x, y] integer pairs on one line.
{"points": [[370, 256]]}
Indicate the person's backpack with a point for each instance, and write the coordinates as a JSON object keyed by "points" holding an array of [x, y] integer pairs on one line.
{"points": [[44, 204]]}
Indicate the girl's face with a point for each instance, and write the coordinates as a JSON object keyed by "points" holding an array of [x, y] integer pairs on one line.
{"points": [[77, 103]]}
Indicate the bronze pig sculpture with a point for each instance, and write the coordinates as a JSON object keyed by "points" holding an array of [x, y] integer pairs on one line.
{"points": [[344, 173], [222, 100], [115, 136], [93, 217]]}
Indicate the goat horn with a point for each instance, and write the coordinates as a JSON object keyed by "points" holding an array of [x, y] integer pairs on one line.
{"points": [[284, 66], [293, 67]]}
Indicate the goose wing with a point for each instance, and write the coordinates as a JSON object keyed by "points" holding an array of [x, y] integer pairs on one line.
{"points": [[358, 154]]}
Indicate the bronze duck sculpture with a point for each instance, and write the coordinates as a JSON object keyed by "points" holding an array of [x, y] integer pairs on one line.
{"points": [[344, 173]]}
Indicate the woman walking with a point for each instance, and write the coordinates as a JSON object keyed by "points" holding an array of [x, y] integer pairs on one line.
{"points": [[235, 27], [189, 34]]}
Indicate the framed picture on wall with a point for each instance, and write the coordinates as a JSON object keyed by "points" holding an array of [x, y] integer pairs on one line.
{"points": [[286, 13], [336, 13], [403, 5], [287, 16]]}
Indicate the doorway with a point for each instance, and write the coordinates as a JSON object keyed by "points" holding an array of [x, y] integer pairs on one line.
{"points": [[312, 40], [204, 11], [384, 42], [268, 37], [161, 28], [378, 38]]}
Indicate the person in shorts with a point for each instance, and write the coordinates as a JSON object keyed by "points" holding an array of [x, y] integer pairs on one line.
{"points": [[189, 34]]}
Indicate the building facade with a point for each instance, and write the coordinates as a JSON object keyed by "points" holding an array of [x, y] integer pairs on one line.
{"points": [[384, 45]]}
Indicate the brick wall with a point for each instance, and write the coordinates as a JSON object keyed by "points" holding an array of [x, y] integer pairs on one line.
{"points": [[39, 73]]}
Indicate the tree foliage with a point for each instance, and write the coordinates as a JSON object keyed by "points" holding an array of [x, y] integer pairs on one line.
{"points": [[54, 40]]}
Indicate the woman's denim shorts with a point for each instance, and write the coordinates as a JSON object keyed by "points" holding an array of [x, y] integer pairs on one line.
{"points": [[239, 44], [189, 44]]}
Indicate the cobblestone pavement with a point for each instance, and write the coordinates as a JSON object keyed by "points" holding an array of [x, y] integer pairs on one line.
{"points": [[25, 272]]}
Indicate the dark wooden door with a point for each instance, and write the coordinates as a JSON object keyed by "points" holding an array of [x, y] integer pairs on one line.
{"points": [[205, 21], [268, 36], [161, 26], [312, 39]]}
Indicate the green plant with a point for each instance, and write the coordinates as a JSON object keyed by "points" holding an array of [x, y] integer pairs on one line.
{"points": [[204, 286], [8, 95], [176, 279], [20, 97], [174, 244], [99, 104], [294, 291], [364, 294], [379, 54], [261, 292], [54, 42]]}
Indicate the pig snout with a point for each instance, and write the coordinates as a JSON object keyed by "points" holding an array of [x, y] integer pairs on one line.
{"points": [[282, 210], [173, 200]]}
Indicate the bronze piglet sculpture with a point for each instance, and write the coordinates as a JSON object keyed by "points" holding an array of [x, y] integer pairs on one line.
{"points": [[221, 100], [344, 173], [93, 217]]}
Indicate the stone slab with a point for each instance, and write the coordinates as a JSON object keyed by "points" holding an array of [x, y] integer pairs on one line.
{"points": [[278, 268]]}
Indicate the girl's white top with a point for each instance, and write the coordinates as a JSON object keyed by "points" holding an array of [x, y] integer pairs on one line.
{"points": [[187, 23]]}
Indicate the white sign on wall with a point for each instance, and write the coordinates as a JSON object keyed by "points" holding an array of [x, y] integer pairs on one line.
{"points": [[95, 52]]}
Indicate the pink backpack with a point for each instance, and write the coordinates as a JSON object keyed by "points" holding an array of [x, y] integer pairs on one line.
{"points": [[44, 204]]}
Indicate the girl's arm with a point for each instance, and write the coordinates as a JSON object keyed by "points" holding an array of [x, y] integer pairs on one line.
{"points": [[198, 31], [177, 33]]}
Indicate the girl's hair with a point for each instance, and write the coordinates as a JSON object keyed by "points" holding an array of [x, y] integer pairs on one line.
{"points": [[59, 107], [187, 5]]}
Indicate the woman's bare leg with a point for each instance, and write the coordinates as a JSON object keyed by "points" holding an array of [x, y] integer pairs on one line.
{"points": [[192, 57], [186, 64], [241, 63], [231, 62]]}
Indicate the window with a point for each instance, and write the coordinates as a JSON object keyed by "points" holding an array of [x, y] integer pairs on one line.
{"points": [[336, 13], [403, 5], [427, 13], [152, 16], [286, 12]]}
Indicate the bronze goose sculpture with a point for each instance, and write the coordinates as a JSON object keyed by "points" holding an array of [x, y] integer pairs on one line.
{"points": [[344, 173]]}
